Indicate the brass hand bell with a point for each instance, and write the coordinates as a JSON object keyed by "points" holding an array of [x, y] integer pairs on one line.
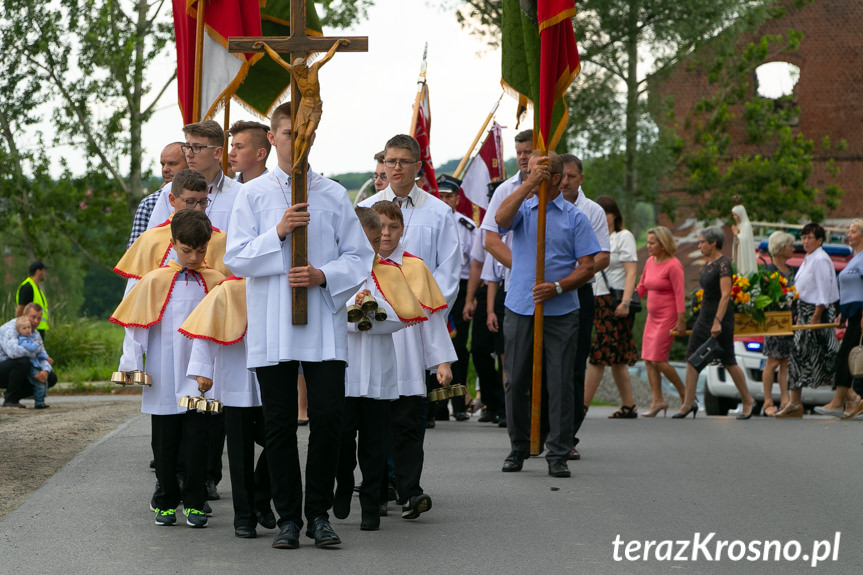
{"points": [[447, 392], [365, 324], [200, 403], [355, 314], [380, 314], [131, 378], [369, 304]]}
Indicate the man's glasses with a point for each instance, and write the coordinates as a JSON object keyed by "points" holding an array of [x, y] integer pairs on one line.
{"points": [[195, 148], [399, 163], [382, 176], [192, 203]]}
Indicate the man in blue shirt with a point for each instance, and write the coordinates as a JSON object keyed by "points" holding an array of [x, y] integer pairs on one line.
{"points": [[570, 245]]}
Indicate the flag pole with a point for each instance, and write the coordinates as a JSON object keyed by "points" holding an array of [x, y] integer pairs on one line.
{"points": [[226, 125], [464, 160], [421, 81], [199, 59], [536, 388]]}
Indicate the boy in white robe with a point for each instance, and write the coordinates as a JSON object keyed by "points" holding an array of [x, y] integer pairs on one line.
{"points": [[417, 348], [340, 258], [152, 312], [217, 328], [370, 384]]}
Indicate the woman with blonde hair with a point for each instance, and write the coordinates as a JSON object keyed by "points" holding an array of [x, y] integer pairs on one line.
{"points": [[662, 284], [777, 349]]}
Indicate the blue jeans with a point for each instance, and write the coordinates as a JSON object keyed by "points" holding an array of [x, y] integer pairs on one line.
{"points": [[39, 388]]}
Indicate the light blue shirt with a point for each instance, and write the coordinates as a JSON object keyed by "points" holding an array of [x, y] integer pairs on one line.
{"points": [[568, 236]]}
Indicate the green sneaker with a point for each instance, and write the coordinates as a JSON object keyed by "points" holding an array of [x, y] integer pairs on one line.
{"points": [[166, 517], [195, 518]]}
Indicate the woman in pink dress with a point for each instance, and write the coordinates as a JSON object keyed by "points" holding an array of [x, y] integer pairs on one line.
{"points": [[662, 279]]}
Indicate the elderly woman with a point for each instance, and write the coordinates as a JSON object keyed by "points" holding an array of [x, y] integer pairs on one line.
{"points": [[778, 348], [715, 320], [612, 343], [813, 359], [662, 282], [850, 282]]}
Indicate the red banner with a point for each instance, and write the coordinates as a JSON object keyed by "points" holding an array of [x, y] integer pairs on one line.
{"points": [[559, 64], [423, 137]]}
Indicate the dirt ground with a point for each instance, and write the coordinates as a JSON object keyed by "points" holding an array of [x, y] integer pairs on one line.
{"points": [[34, 444]]}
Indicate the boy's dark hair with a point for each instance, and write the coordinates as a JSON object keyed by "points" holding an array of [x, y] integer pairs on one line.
{"points": [[379, 157], [369, 218], [525, 136], [191, 227], [404, 142], [36, 266], [258, 131], [814, 229], [390, 210], [209, 129], [187, 179]]}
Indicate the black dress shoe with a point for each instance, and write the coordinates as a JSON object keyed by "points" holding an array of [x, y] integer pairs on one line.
{"points": [[513, 462], [46, 406], [430, 423], [322, 532], [416, 505], [461, 416], [502, 421], [342, 502], [266, 519], [14, 404], [382, 510], [288, 536], [245, 532], [212, 493], [370, 522], [558, 469], [573, 454], [486, 417]]}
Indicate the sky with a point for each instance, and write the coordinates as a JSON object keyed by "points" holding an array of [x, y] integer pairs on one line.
{"points": [[368, 97]]}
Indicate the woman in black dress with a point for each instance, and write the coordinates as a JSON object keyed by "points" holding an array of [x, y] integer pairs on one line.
{"points": [[716, 319]]}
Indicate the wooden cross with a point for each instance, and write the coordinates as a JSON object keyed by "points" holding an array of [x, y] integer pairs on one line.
{"points": [[297, 43]]}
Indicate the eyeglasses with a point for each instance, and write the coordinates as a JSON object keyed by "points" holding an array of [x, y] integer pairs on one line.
{"points": [[381, 176], [195, 148], [192, 203], [399, 163]]}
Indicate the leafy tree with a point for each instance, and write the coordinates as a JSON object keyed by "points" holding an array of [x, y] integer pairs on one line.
{"points": [[736, 146]]}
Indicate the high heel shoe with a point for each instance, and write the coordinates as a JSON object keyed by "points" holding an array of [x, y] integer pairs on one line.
{"points": [[693, 409], [791, 410], [663, 407], [747, 415], [625, 412]]}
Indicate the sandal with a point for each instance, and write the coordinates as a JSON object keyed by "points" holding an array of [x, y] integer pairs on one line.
{"points": [[769, 410], [625, 412]]}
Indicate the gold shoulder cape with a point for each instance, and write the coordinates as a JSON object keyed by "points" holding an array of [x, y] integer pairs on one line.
{"points": [[221, 316], [395, 288], [151, 249], [145, 303], [421, 282]]}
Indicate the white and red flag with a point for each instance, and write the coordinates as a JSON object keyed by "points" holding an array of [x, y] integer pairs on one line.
{"points": [[221, 71], [422, 135], [486, 167]]}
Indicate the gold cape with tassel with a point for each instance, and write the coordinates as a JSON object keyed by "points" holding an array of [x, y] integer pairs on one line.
{"points": [[145, 303], [221, 316], [391, 282], [150, 252], [417, 275]]}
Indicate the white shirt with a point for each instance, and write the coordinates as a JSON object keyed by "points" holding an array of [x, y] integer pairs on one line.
{"points": [[337, 246], [167, 352], [430, 234], [372, 369], [623, 249], [233, 384], [467, 231], [492, 270], [222, 194], [488, 223], [420, 347], [598, 222], [816, 279]]}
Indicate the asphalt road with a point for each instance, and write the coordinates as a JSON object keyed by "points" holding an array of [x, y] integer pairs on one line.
{"points": [[747, 482]]}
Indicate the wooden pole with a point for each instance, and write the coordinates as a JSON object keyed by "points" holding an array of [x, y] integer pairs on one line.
{"points": [[464, 160], [536, 388], [199, 59], [299, 245], [421, 82], [226, 125]]}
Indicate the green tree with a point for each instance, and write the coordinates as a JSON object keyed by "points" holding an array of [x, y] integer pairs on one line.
{"points": [[736, 146]]}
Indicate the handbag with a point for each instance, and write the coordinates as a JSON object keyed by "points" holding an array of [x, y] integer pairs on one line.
{"points": [[617, 296], [705, 353], [855, 359]]}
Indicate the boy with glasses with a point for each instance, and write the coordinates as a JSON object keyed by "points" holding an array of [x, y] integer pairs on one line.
{"points": [[203, 151]]}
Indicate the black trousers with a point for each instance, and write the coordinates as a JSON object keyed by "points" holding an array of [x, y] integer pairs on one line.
{"points": [[587, 308], [13, 376], [169, 433], [215, 446], [459, 342], [325, 387], [370, 419], [250, 483], [408, 455], [483, 346]]}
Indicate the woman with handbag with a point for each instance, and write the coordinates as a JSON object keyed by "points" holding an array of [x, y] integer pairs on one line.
{"points": [[777, 348], [616, 305], [850, 282], [813, 359], [715, 320], [662, 279]]}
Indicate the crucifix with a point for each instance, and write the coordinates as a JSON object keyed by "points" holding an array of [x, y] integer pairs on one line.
{"points": [[305, 112]]}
